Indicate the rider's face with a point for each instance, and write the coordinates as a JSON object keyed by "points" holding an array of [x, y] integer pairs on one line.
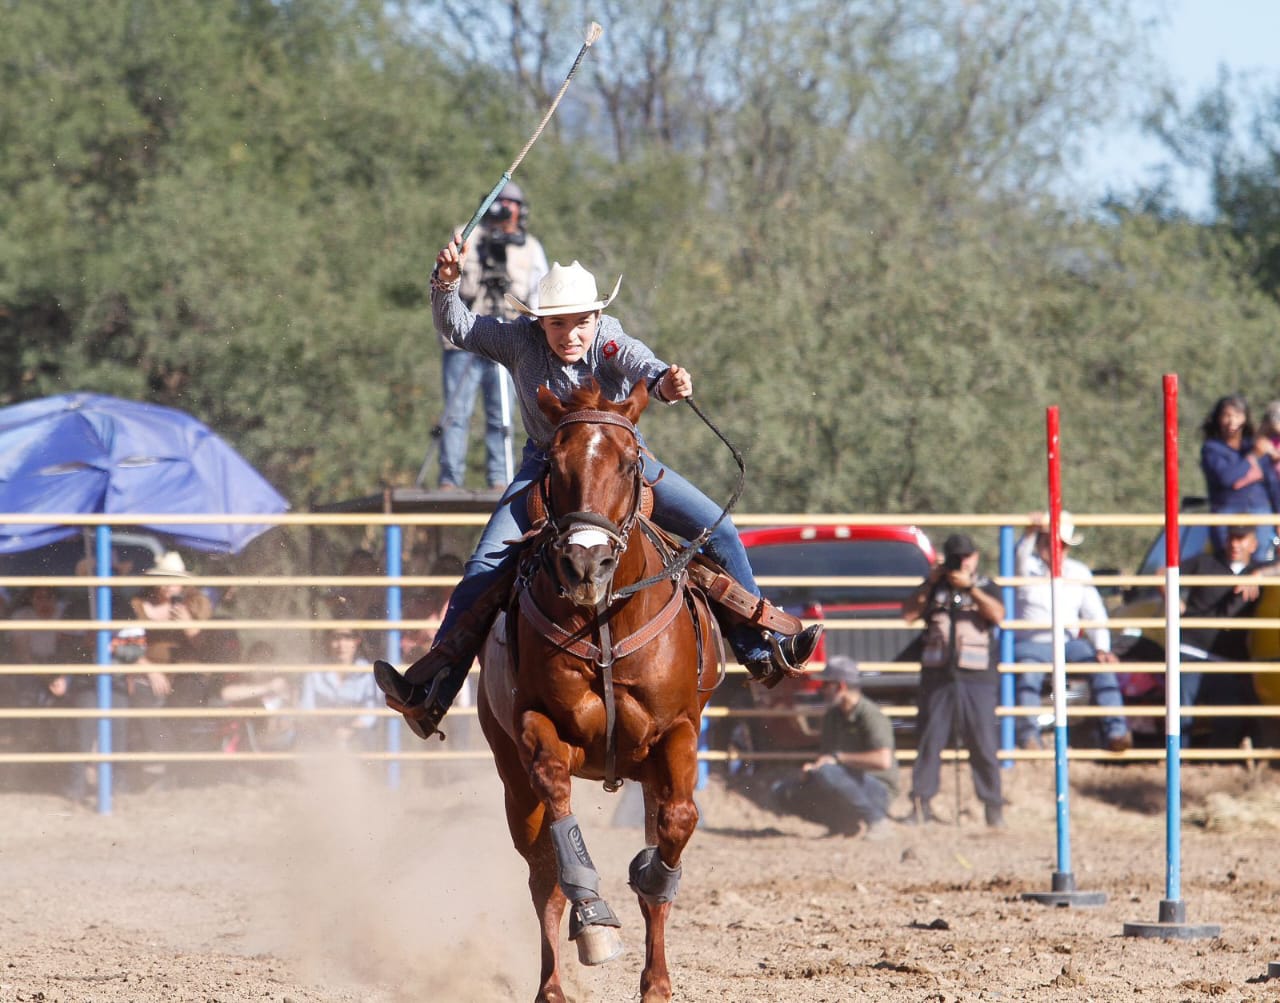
{"points": [[570, 335]]}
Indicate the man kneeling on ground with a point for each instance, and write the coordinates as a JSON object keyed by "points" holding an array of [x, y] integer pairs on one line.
{"points": [[850, 785]]}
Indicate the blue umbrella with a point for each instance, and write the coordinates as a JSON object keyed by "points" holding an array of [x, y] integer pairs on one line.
{"points": [[88, 453]]}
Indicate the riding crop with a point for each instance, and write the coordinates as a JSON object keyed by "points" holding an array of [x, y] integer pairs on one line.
{"points": [[593, 34]]}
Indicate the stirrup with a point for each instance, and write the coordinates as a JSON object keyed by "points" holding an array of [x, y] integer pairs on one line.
{"points": [[792, 653], [421, 706]]}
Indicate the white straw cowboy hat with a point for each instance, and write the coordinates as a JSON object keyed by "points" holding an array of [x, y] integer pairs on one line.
{"points": [[169, 565], [1067, 530], [566, 290]]}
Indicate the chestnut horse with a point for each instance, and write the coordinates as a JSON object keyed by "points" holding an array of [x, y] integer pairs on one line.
{"points": [[597, 680]]}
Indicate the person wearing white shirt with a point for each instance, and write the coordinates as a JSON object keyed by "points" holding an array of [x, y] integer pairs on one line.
{"points": [[1080, 603]]}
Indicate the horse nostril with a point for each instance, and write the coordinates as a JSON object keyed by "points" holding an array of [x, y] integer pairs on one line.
{"points": [[569, 572]]}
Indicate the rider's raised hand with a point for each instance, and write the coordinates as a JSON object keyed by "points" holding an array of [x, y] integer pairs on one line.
{"points": [[449, 260]]}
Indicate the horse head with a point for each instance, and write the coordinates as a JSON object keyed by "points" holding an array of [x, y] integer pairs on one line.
{"points": [[593, 487]]}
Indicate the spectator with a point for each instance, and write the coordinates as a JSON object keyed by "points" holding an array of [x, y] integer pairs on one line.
{"points": [[166, 612], [1220, 644], [42, 646], [851, 784], [430, 603], [344, 682], [259, 689], [507, 260], [1239, 471], [360, 602], [1080, 601], [1269, 429], [959, 681]]}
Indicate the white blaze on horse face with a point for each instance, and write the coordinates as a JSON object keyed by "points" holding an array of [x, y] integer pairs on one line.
{"points": [[588, 538]]}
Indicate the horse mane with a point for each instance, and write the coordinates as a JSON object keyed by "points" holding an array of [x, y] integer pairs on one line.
{"points": [[587, 397]]}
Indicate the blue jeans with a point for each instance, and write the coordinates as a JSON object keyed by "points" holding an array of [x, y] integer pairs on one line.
{"points": [[462, 375], [847, 796], [678, 507], [1104, 688]]}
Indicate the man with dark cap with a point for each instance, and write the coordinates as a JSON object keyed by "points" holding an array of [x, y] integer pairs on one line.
{"points": [[1238, 558], [508, 259], [850, 785], [959, 682]]}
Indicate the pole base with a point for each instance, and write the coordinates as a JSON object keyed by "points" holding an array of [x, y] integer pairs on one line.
{"points": [[1064, 893], [1273, 970], [1172, 925]]}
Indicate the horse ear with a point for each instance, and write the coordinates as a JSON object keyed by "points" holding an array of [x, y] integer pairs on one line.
{"points": [[551, 405], [636, 401]]}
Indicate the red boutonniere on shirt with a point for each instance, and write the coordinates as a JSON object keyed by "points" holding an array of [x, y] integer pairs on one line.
{"points": [[610, 349]]}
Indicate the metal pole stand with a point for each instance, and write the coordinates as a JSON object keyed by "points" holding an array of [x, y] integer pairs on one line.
{"points": [[1173, 925], [1273, 970], [1063, 887], [1064, 893]]}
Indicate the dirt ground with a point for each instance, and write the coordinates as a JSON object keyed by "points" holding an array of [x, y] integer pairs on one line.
{"points": [[328, 885]]}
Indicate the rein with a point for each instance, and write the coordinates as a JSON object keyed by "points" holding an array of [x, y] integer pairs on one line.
{"points": [[690, 550]]}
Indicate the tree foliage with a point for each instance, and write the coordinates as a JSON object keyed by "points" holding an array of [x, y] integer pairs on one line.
{"points": [[839, 214]]}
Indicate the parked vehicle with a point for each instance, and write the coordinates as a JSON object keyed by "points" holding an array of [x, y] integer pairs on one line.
{"points": [[896, 552]]}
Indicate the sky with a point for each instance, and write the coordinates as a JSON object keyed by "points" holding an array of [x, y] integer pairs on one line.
{"points": [[1199, 36]]}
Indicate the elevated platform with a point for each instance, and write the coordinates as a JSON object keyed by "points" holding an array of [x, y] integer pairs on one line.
{"points": [[415, 499]]}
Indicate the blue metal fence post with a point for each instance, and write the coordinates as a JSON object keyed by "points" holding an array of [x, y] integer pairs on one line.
{"points": [[394, 538], [102, 613], [1008, 681]]}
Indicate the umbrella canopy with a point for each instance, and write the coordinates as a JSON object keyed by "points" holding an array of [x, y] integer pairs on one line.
{"points": [[88, 453]]}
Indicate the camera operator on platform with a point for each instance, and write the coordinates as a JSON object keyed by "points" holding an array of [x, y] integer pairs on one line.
{"points": [[507, 260]]}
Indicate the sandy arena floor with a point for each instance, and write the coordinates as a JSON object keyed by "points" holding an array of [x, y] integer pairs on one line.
{"points": [[332, 887]]}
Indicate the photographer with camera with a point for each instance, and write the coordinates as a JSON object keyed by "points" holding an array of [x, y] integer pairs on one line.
{"points": [[959, 681], [508, 259]]}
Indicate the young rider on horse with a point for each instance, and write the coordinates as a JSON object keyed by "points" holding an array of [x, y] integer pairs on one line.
{"points": [[561, 343]]}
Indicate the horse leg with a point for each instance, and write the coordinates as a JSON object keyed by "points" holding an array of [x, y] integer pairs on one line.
{"points": [[526, 817], [670, 818], [592, 924]]}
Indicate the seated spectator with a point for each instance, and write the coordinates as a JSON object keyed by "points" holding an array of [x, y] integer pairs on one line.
{"points": [[361, 602], [1239, 471], [428, 604], [1269, 429], [1080, 601], [40, 646], [166, 612], [1220, 644], [262, 688], [850, 785], [336, 686]]}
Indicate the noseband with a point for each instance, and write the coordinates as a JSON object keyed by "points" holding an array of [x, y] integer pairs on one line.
{"points": [[586, 523]]}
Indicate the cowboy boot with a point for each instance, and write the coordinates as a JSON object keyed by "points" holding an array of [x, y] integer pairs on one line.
{"points": [[428, 687], [790, 654]]}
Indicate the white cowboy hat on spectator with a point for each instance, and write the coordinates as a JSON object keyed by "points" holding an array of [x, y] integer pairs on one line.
{"points": [[169, 565], [1067, 530], [566, 290]]}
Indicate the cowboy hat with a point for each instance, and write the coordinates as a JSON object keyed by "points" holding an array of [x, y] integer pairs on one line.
{"points": [[169, 565], [566, 290]]}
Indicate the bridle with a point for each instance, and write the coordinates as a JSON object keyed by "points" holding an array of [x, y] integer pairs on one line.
{"points": [[571, 524]]}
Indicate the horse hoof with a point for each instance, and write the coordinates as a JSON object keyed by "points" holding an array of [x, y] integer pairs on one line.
{"points": [[598, 944]]}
